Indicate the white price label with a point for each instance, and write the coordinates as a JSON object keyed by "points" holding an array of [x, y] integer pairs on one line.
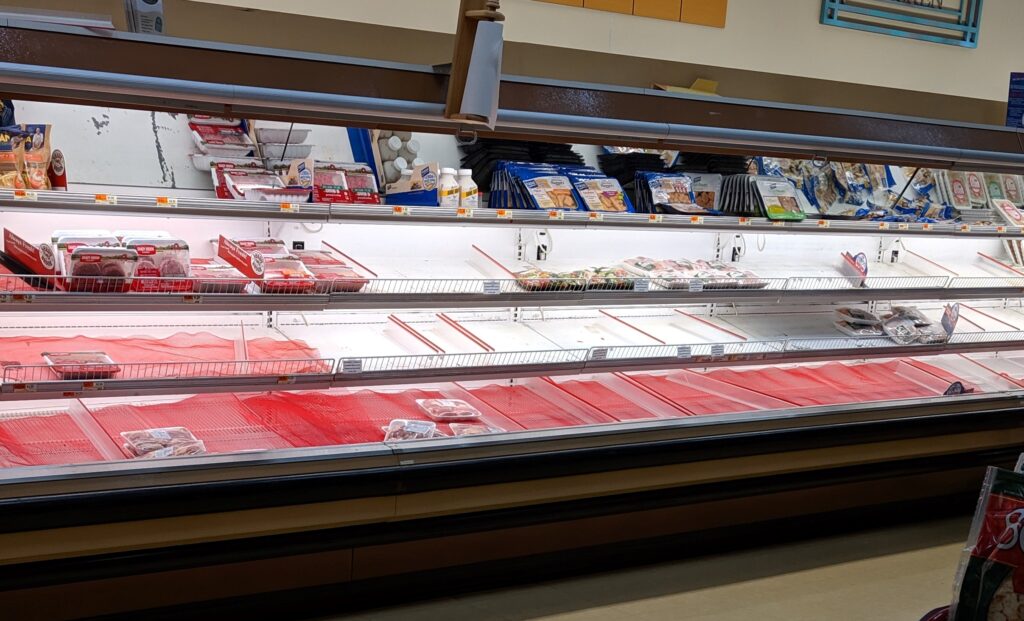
{"points": [[684, 351], [599, 353], [352, 365], [696, 285], [642, 285], [718, 350], [492, 287], [883, 226], [778, 223], [1000, 229], [26, 195], [903, 226], [400, 210], [655, 218], [965, 228], [290, 207], [106, 199], [744, 221], [822, 224]]}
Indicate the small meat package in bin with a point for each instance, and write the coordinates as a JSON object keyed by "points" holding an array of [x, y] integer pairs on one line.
{"points": [[217, 278], [402, 429], [286, 276], [332, 274], [990, 578], [163, 264], [81, 365], [162, 442], [448, 409], [100, 269]]}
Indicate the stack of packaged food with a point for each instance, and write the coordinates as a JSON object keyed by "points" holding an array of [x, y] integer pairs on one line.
{"points": [[518, 185]]}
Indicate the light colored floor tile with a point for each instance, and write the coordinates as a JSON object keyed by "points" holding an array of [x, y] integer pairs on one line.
{"points": [[897, 573]]}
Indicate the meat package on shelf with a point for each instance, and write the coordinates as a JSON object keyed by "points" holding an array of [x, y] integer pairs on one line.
{"points": [[665, 273], [234, 422], [100, 261], [904, 325]]}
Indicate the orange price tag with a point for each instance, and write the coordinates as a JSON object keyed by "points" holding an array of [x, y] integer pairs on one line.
{"points": [[1000, 229], [744, 222], [883, 226], [556, 214], [822, 224], [26, 195], [504, 213], [463, 212], [290, 207], [399, 210], [165, 201], [594, 215], [655, 217], [106, 199], [965, 228], [926, 226], [696, 219]]}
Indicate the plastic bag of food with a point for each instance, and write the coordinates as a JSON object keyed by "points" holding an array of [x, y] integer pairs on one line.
{"points": [[448, 409], [37, 156], [162, 442], [402, 429], [12, 158], [990, 577]]}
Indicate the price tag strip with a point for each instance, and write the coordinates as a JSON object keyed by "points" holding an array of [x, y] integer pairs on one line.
{"points": [[105, 199], [165, 201], [26, 195]]}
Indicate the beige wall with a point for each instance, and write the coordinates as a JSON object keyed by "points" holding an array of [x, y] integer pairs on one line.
{"points": [[772, 36]]}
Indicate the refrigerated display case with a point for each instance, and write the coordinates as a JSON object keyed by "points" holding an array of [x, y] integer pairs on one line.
{"points": [[609, 414]]}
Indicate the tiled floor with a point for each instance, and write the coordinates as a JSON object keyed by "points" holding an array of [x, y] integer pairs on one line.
{"points": [[897, 573]]}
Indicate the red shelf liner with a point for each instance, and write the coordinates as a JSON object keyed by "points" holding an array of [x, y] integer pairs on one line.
{"points": [[44, 440]]}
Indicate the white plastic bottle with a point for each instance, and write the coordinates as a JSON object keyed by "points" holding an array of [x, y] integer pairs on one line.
{"points": [[469, 196], [448, 189]]}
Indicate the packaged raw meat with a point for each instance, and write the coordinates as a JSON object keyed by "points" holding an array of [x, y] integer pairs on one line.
{"points": [[664, 273], [37, 156], [336, 279], [286, 276], [221, 139], [267, 246], [217, 278], [65, 242], [361, 182], [330, 185], [856, 316], [163, 264], [162, 442], [241, 183], [448, 409], [618, 278], [277, 195], [81, 365], [473, 429], [401, 429], [101, 270], [318, 257], [206, 119], [990, 577], [859, 330], [219, 170], [537, 279], [102, 236]]}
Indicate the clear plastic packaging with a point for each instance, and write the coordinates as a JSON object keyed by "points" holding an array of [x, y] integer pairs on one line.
{"points": [[241, 184], [225, 140], [163, 264], [473, 429], [267, 246], [81, 365], [162, 442], [448, 409], [402, 429], [101, 269], [217, 278], [856, 316], [336, 279], [286, 276]]}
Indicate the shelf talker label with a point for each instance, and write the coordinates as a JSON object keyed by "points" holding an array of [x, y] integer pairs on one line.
{"points": [[642, 285], [556, 214], [352, 365], [599, 353], [463, 212], [26, 195], [655, 218], [290, 207], [684, 351], [105, 199], [492, 287], [166, 201], [696, 285], [718, 350], [595, 215]]}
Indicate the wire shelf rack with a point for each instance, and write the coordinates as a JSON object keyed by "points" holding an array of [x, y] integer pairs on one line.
{"points": [[165, 370]]}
